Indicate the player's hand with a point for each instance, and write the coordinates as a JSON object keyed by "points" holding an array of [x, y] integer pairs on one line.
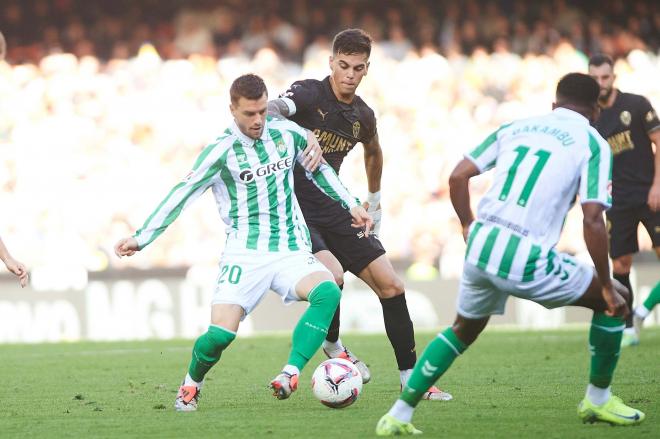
{"points": [[18, 269], [126, 247], [376, 213], [312, 154], [361, 219], [654, 197], [616, 304]]}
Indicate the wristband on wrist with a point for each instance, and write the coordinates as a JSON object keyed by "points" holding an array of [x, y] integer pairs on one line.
{"points": [[373, 198]]}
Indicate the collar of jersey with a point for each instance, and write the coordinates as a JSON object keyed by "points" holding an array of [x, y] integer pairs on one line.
{"points": [[565, 112], [245, 140]]}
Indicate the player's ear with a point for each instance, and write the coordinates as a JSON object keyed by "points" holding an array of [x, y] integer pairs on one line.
{"points": [[330, 59]]}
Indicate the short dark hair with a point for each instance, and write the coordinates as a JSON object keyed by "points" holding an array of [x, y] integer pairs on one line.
{"points": [[351, 42], [578, 89], [600, 59], [248, 86]]}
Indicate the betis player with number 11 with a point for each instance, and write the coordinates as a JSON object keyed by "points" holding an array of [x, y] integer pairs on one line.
{"points": [[250, 170], [541, 164]]}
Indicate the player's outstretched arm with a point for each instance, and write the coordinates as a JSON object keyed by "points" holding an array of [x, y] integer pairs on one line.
{"points": [[126, 247], [654, 192], [203, 175], [459, 192], [13, 265], [595, 237]]}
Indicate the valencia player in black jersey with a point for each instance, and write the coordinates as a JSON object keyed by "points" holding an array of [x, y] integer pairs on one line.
{"points": [[630, 125], [340, 119]]}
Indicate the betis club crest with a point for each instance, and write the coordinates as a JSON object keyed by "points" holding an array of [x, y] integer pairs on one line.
{"points": [[281, 147]]}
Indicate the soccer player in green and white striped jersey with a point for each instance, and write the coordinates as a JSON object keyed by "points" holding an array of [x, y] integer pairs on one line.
{"points": [[541, 164], [250, 170]]}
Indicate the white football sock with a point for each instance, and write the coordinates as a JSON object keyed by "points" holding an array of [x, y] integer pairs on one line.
{"points": [[291, 369], [642, 312], [629, 331], [402, 411], [333, 348], [188, 381], [404, 375], [597, 395]]}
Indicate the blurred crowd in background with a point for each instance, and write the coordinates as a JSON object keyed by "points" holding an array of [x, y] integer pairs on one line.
{"points": [[105, 105]]}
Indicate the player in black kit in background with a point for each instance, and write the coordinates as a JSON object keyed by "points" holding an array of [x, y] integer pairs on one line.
{"points": [[340, 119], [629, 124]]}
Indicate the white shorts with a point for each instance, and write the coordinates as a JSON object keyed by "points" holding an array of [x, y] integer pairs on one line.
{"points": [[482, 294], [247, 275]]}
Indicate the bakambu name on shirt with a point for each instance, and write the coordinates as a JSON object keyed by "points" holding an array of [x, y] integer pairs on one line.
{"points": [[563, 136]]}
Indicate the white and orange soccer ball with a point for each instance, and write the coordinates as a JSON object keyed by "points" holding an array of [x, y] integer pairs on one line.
{"points": [[336, 383]]}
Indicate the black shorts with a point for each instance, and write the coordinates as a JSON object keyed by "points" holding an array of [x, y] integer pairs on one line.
{"points": [[349, 245], [622, 226]]}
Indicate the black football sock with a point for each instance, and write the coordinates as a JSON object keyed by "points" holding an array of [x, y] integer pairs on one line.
{"points": [[399, 329], [333, 330], [625, 280]]}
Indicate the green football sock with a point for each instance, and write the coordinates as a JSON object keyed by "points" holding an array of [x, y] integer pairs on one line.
{"points": [[604, 345], [207, 351], [654, 297], [434, 362], [312, 327]]}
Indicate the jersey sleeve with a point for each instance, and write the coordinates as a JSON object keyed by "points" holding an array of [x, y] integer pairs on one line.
{"points": [[370, 126], [299, 135], [484, 155], [596, 172], [326, 179], [300, 97], [206, 169], [649, 116]]}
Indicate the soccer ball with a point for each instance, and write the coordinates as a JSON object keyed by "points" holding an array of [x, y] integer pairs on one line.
{"points": [[336, 383]]}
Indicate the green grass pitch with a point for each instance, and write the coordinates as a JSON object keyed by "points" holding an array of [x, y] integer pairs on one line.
{"points": [[509, 384]]}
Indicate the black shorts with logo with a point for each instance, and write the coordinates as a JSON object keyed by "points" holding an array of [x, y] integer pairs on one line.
{"points": [[622, 224], [352, 248]]}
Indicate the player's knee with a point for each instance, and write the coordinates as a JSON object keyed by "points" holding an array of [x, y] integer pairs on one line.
{"points": [[392, 288], [326, 294], [622, 264], [467, 330], [621, 289], [220, 337], [339, 277]]}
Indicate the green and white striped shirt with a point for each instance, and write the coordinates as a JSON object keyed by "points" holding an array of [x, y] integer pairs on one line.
{"points": [[252, 181], [541, 164]]}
